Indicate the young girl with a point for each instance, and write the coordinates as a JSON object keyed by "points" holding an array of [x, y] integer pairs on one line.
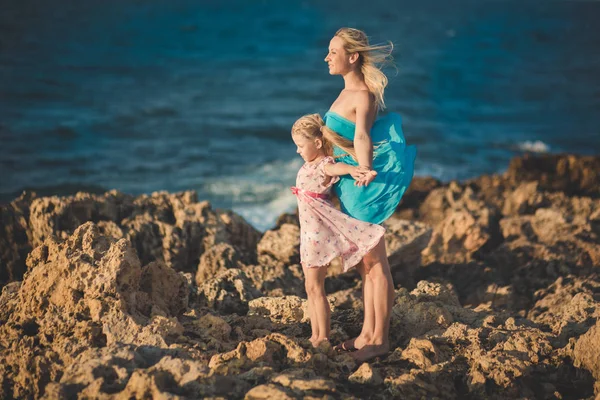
{"points": [[325, 232]]}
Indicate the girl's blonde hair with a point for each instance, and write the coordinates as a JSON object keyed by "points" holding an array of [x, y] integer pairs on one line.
{"points": [[312, 127], [370, 58]]}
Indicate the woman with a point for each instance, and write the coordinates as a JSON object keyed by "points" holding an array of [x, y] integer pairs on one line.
{"points": [[372, 197]]}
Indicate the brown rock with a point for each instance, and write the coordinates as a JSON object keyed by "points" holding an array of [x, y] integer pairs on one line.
{"points": [[366, 374], [228, 292], [570, 174], [217, 258], [281, 244], [462, 235], [285, 310], [404, 243], [268, 392], [14, 240], [86, 292], [586, 353]]}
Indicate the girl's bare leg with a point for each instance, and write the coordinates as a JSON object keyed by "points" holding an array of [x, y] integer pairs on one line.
{"points": [[311, 310], [381, 295], [315, 289]]}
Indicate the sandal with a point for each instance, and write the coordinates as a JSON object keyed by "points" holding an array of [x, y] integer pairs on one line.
{"points": [[346, 346]]}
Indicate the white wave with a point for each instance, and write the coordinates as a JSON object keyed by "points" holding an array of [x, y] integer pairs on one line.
{"points": [[259, 195], [264, 216], [536, 146]]}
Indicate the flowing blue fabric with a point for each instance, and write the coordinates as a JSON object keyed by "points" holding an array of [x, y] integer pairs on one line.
{"points": [[392, 159]]}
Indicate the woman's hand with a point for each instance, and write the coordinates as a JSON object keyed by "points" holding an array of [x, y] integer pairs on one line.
{"points": [[358, 173], [363, 176]]}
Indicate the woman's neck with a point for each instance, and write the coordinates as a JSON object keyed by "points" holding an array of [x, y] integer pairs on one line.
{"points": [[354, 80]]}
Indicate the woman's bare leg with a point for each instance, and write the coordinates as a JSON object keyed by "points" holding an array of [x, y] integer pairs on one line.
{"points": [[368, 326], [381, 295]]}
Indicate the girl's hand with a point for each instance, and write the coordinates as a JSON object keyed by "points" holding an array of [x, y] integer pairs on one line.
{"points": [[367, 178]]}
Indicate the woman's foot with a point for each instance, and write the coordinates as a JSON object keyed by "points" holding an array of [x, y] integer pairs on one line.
{"points": [[370, 352], [353, 344], [347, 345]]}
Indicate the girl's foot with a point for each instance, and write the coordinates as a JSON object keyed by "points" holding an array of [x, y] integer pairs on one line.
{"points": [[318, 342]]}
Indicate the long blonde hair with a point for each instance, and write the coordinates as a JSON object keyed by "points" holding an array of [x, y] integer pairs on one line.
{"points": [[371, 59], [312, 126]]}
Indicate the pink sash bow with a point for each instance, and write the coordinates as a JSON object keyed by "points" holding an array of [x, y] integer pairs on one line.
{"points": [[295, 190]]}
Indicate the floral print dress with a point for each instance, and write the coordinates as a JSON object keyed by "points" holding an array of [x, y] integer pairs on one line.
{"points": [[326, 232]]}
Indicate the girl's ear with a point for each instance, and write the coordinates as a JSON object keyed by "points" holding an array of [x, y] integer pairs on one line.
{"points": [[354, 57], [318, 143]]}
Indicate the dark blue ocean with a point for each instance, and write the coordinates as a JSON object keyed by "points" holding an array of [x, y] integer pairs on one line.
{"points": [[153, 95]]}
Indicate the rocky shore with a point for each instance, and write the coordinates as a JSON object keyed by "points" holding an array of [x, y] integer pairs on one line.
{"points": [[162, 296]]}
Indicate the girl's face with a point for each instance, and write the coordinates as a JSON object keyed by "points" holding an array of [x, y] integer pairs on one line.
{"points": [[309, 149], [337, 58]]}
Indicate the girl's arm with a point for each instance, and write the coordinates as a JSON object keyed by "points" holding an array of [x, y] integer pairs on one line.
{"points": [[339, 169]]}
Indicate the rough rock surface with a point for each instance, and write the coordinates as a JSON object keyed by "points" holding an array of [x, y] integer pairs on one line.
{"points": [[160, 296]]}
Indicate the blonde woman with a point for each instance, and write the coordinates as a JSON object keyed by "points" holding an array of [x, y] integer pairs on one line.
{"points": [[372, 145]]}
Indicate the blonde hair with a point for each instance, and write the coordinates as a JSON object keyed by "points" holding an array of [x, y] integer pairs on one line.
{"points": [[371, 58], [312, 126]]}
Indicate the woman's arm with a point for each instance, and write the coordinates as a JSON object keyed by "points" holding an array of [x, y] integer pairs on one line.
{"points": [[363, 144]]}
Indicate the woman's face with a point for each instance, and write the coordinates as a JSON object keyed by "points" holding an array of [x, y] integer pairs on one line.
{"points": [[337, 58]]}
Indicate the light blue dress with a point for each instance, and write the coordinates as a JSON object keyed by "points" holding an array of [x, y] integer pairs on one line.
{"points": [[392, 159]]}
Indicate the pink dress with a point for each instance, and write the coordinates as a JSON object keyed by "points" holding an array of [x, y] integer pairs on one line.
{"points": [[326, 232]]}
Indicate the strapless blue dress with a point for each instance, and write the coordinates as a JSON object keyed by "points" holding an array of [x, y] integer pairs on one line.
{"points": [[392, 159]]}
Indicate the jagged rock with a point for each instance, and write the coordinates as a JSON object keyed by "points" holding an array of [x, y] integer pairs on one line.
{"points": [[281, 244], [586, 353], [417, 313], [215, 259], [14, 240], [570, 174], [129, 372], [424, 353], [568, 306], [404, 242], [86, 292], [462, 235], [274, 350], [287, 309], [525, 199], [102, 313], [366, 374], [228, 292], [419, 189], [277, 279], [172, 228], [302, 382], [269, 391]]}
